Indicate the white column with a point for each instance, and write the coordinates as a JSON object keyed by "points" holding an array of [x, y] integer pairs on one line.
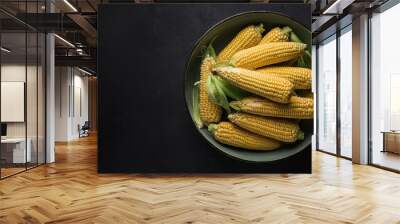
{"points": [[360, 90], [63, 85], [314, 90], [50, 93]]}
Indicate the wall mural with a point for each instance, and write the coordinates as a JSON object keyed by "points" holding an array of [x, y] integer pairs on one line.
{"points": [[246, 104]]}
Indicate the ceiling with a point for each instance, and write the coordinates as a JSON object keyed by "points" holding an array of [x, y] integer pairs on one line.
{"points": [[16, 43], [76, 22], [330, 16]]}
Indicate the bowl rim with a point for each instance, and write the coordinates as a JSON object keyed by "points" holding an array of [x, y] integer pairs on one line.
{"points": [[188, 107]]}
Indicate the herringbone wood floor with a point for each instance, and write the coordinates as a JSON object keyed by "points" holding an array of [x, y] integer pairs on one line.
{"points": [[70, 191]]}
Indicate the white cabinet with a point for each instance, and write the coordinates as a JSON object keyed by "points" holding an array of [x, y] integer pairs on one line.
{"points": [[12, 101], [19, 155]]}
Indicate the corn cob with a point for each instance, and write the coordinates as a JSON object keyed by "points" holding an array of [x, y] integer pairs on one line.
{"points": [[248, 37], [209, 111], [297, 108], [290, 63], [267, 54], [300, 77], [275, 35], [274, 128], [271, 87], [229, 134]]}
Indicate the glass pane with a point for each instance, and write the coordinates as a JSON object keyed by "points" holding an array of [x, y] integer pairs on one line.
{"points": [[346, 93], [327, 96], [385, 84], [31, 86], [14, 154], [31, 100], [41, 98]]}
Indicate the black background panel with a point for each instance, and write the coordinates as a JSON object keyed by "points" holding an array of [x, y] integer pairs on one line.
{"points": [[144, 125]]}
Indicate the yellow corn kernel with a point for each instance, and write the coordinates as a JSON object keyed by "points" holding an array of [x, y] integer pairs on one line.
{"points": [[267, 54], [248, 37], [297, 108], [274, 128], [271, 87], [209, 111], [275, 35], [229, 134], [300, 77]]}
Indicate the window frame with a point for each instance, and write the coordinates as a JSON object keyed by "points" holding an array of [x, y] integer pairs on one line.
{"points": [[28, 29], [381, 9], [338, 33]]}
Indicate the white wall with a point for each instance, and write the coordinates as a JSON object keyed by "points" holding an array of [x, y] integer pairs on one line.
{"points": [[33, 127], [71, 102], [16, 73], [80, 111], [62, 82], [9, 73]]}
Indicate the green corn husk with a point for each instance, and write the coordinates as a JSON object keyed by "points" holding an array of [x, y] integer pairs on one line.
{"points": [[287, 30], [196, 108], [231, 90], [210, 51], [216, 94], [305, 60]]}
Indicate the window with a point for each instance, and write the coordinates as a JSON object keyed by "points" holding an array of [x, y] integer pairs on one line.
{"points": [[385, 89], [346, 92], [22, 77], [327, 96]]}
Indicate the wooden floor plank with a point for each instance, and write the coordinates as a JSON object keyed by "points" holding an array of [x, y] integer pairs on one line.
{"points": [[71, 191]]}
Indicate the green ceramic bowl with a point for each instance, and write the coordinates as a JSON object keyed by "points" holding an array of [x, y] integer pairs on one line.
{"points": [[224, 31]]}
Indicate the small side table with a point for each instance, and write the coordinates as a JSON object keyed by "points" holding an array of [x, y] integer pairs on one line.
{"points": [[15, 148], [391, 141]]}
